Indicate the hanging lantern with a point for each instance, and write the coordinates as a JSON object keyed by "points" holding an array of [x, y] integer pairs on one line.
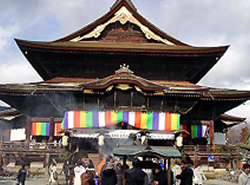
{"points": [[101, 140]]}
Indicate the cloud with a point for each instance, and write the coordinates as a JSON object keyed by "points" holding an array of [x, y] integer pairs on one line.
{"points": [[18, 72]]}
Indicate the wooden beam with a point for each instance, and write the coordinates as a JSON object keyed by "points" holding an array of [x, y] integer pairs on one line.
{"points": [[115, 99], [51, 129], [28, 132], [169, 171], [211, 134]]}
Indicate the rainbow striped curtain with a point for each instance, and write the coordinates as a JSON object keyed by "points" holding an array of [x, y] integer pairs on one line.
{"points": [[96, 119], [199, 131], [58, 127], [43, 128], [40, 129]]}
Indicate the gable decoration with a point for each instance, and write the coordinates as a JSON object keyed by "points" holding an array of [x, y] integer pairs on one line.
{"points": [[123, 16]]}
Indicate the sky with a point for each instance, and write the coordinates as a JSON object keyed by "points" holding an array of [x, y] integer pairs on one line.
{"points": [[195, 22]]}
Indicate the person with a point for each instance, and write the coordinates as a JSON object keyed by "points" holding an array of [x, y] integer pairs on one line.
{"points": [[88, 178], [66, 171], [198, 175], [99, 167], [161, 163], [109, 159], [135, 175], [21, 175], [161, 177], [187, 173], [118, 170], [243, 178], [78, 171], [53, 177], [109, 175], [71, 174], [55, 143], [176, 171]]}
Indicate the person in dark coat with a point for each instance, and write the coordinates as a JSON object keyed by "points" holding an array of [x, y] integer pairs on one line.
{"points": [[187, 173], [66, 171], [135, 175], [162, 177], [21, 175], [109, 175], [109, 159]]}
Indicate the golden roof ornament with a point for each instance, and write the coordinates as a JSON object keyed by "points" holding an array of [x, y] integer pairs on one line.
{"points": [[124, 69]]}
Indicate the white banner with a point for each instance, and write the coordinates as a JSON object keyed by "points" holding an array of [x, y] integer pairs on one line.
{"points": [[17, 134]]}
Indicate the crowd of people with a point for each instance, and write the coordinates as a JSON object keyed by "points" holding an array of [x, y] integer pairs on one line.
{"points": [[110, 172]]}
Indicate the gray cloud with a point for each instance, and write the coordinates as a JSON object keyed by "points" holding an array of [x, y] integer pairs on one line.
{"points": [[198, 23]]}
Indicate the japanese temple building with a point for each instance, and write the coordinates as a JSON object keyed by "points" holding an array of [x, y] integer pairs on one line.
{"points": [[121, 73]]}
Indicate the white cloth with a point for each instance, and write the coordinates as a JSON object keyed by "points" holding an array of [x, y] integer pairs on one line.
{"points": [[243, 178], [78, 171], [198, 175], [176, 171], [53, 169], [248, 180]]}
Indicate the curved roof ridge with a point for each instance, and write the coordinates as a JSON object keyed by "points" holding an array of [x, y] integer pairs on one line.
{"points": [[129, 2], [97, 24]]}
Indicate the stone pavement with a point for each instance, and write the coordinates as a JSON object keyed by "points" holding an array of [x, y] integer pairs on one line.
{"points": [[43, 180], [217, 182]]}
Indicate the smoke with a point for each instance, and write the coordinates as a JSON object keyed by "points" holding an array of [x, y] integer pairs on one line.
{"points": [[111, 143]]}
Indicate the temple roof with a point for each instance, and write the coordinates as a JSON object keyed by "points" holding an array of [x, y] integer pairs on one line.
{"points": [[226, 117], [121, 35], [8, 113], [124, 79], [123, 11], [128, 47], [53, 96]]}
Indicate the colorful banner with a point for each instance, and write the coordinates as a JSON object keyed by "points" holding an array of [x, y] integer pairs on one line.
{"points": [[43, 129], [40, 129], [199, 131], [58, 127], [96, 119]]}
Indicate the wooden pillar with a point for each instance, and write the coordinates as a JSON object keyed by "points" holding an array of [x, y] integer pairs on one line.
{"points": [[1, 159], [169, 171], [211, 134], [165, 165], [132, 99], [28, 132], [19, 157], [100, 154], [195, 156], [51, 129], [44, 159], [84, 102], [47, 160], [1, 153], [115, 99]]}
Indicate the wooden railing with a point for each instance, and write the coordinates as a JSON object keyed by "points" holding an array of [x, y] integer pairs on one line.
{"points": [[52, 145], [7, 145], [209, 148]]}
